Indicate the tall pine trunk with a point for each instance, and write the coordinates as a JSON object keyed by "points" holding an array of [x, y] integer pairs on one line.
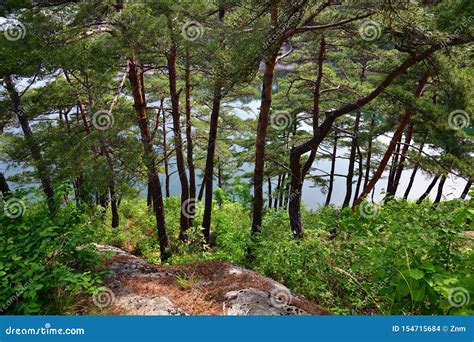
{"points": [[209, 170], [187, 209], [149, 158], [263, 117], [166, 156], [189, 137]]}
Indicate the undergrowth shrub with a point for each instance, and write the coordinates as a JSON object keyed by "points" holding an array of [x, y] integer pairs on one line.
{"points": [[42, 270]]}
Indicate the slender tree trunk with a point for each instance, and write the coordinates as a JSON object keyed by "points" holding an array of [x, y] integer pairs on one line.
{"points": [[428, 190], [42, 169], [201, 189], [276, 193], [282, 190], [165, 157], [360, 171], [440, 190], [4, 188], [269, 179], [149, 199], [393, 170], [403, 156], [410, 182], [369, 155], [262, 125], [149, 158], [333, 168], [350, 171], [219, 173], [393, 142], [298, 173], [413, 174], [187, 211], [465, 192], [209, 170], [189, 137]]}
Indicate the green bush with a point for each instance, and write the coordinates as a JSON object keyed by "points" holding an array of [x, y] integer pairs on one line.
{"points": [[42, 270]]}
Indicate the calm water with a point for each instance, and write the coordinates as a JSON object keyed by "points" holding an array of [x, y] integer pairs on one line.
{"points": [[313, 197]]}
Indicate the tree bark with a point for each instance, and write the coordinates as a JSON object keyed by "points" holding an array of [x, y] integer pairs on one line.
{"points": [[149, 158], [333, 168], [440, 190], [393, 169], [428, 190], [42, 169], [393, 142], [187, 211], [209, 170]]}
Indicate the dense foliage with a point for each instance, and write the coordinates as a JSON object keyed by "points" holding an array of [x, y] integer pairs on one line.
{"points": [[404, 258]]}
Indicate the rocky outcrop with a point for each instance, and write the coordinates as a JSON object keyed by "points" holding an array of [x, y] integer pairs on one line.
{"points": [[136, 287]]}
